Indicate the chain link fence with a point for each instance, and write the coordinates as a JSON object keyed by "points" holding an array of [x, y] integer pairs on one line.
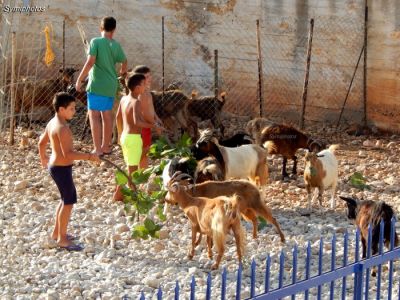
{"points": [[203, 53]]}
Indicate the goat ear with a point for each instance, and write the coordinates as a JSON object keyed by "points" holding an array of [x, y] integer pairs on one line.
{"points": [[349, 201], [173, 188]]}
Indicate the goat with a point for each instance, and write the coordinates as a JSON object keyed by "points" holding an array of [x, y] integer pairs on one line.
{"points": [[208, 169], [365, 213], [208, 108], [321, 171], [244, 162], [285, 140], [255, 126], [249, 200], [40, 93], [214, 217]]}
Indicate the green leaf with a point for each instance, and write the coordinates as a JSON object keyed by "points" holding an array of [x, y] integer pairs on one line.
{"points": [[120, 178], [160, 213], [149, 224], [140, 231], [262, 223], [357, 180]]}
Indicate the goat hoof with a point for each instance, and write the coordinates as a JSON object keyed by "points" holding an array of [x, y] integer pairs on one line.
{"points": [[190, 256], [214, 267]]}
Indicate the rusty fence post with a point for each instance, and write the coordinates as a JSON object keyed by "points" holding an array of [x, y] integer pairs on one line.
{"points": [[216, 88], [365, 66], [260, 70], [63, 44], [13, 80], [163, 55], [349, 88], [307, 75]]}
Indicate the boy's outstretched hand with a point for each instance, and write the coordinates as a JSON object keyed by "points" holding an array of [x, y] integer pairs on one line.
{"points": [[94, 157], [44, 161]]}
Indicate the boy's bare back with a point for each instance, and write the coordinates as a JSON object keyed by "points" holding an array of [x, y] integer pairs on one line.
{"points": [[131, 114]]}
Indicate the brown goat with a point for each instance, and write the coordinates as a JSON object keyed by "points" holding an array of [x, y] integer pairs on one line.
{"points": [[255, 126], [368, 212], [32, 95], [208, 108], [249, 200], [208, 169], [286, 140], [214, 217]]}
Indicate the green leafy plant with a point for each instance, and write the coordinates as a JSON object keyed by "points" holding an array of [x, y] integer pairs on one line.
{"points": [[139, 203], [357, 180]]}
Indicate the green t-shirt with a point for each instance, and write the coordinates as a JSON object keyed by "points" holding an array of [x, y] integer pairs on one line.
{"points": [[103, 77]]}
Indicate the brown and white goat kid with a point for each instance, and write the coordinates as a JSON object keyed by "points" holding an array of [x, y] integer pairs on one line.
{"points": [[214, 217], [249, 200], [321, 171]]}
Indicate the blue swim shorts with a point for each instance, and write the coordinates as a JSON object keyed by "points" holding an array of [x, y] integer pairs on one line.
{"points": [[62, 175], [100, 103]]}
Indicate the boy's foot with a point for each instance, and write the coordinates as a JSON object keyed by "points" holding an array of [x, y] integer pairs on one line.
{"points": [[71, 247], [69, 237]]}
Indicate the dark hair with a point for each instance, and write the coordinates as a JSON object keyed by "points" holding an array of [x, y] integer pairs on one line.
{"points": [[108, 24], [134, 80], [62, 99], [141, 69]]}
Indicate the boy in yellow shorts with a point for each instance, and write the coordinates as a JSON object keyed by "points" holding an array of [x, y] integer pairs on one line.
{"points": [[129, 124]]}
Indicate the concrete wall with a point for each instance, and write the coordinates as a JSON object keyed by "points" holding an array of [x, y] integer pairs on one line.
{"points": [[195, 28]]}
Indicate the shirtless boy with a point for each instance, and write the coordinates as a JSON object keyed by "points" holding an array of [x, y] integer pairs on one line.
{"points": [[130, 122], [59, 164], [148, 112]]}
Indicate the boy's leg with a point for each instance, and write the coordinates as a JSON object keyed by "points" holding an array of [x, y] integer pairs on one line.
{"points": [[107, 118], [144, 161], [54, 235], [95, 126], [118, 196], [63, 220]]}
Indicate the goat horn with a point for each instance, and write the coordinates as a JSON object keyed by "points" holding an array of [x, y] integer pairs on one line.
{"points": [[175, 175], [181, 176]]}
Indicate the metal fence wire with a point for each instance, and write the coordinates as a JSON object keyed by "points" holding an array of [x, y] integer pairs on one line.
{"points": [[183, 52]]}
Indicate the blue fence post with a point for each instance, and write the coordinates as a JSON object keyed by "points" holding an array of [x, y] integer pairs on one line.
{"points": [[223, 285], [357, 252], [368, 256], [208, 290], [192, 289], [378, 280], [142, 296], [333, 265], [308, 260], [392, 237], [345, 249], [320, 260], [239, 282], [253, 279], [177, 290], [267, 274], [294, 273], [358, 281], [281, 269], [159, 293]]}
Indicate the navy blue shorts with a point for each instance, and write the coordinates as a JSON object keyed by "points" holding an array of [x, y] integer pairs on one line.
{"points": [[62, 175]]}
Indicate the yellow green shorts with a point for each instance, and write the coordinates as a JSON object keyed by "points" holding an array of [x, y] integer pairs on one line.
{"points": [[131, 148]]}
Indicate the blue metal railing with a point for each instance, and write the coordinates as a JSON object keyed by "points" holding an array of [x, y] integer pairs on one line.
{"points": [[359, 268]]}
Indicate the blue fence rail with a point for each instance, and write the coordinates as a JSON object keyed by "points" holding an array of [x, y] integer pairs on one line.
{"points": [[359, 270]]}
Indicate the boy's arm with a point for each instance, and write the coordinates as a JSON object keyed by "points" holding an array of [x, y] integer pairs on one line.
{"points": [[85, 71], [124, 68], [66, 144], [43, 141], [137, 117], [118, 120]]}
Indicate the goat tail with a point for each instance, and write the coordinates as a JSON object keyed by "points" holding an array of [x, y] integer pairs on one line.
{"points": [[223, 95], [218, 228], [194, 94], [333, 148], [269, 146]]}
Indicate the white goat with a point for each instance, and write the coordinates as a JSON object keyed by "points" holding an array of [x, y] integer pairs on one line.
{"points": [[321, 171]]}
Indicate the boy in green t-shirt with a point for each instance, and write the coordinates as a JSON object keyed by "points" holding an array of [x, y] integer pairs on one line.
{"points": [[104, 53]]}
